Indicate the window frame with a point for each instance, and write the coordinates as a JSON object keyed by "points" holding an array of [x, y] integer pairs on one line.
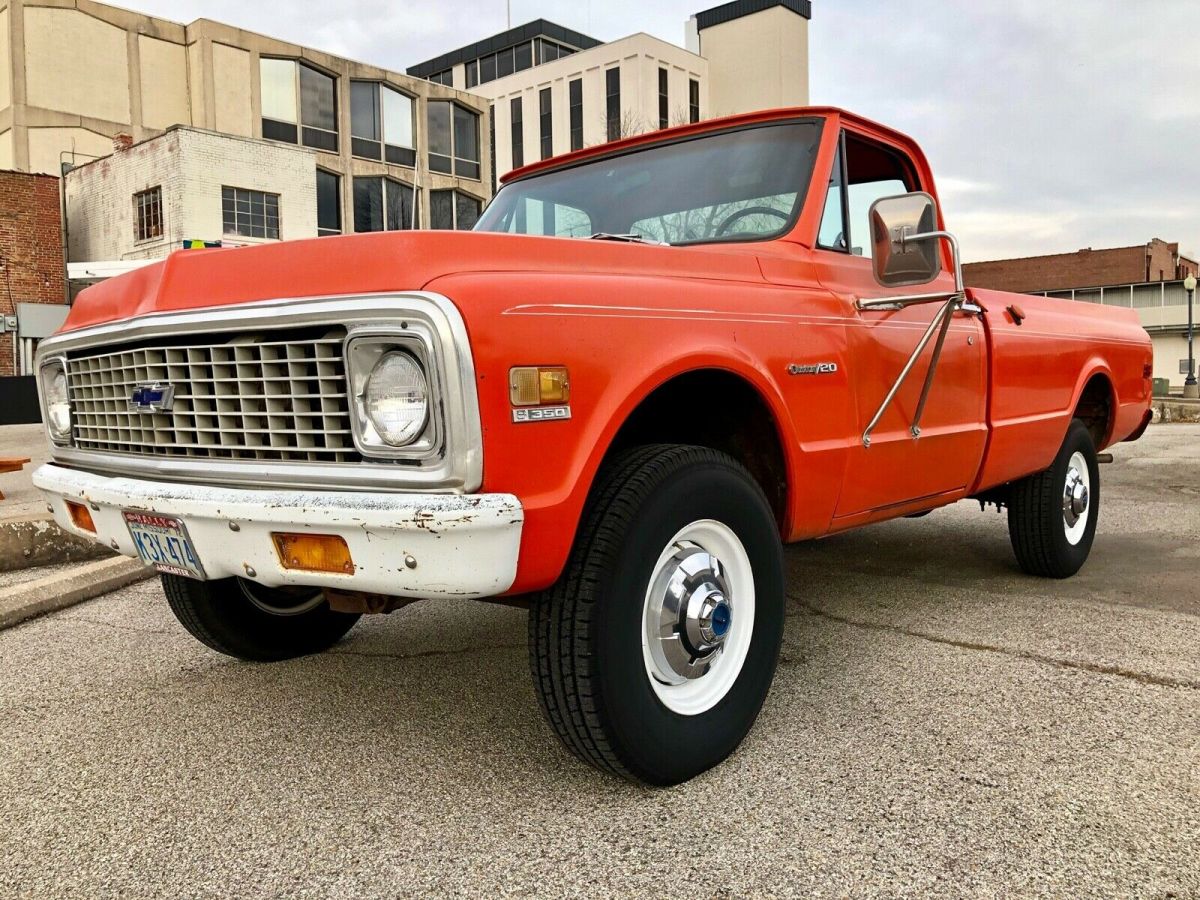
{"points": [[299, 125], [516, 117], [454, 158], [841, 154], [153, 194], [693, 100], [381, 125], [337, 178], [575, 112], [664, 100], [546, 123], [414, 222], [454, 193], [612, 121], [266, 236]]}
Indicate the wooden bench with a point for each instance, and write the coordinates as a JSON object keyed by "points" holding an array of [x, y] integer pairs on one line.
{"points": [[11, 464]]}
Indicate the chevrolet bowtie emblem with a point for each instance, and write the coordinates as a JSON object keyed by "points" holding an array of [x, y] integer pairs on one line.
{"points": [[152, 397]]}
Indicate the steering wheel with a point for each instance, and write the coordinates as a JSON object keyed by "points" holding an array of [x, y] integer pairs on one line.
{"points": [[733, 218]]}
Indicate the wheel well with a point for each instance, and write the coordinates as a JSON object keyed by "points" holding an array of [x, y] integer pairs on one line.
{"points": [[715, 409], [1095, 408]]}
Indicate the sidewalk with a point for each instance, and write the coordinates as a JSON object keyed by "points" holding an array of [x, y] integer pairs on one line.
{"points": [[28, 535]]}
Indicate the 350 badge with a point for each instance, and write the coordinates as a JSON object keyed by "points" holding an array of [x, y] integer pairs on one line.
{"points": [[542, 414]]}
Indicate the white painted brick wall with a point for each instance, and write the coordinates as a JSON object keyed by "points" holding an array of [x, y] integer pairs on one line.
{"points": [[191, 166]]}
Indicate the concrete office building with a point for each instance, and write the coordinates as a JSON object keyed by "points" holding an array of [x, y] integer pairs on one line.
{"points": [[554, 90], [75, 74]]}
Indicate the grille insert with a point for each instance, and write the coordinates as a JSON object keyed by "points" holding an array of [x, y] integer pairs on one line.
{"points": [[275, 396]]}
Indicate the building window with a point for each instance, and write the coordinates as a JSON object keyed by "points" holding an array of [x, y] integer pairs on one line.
{"points": [[664, 106], [517, 115], [501, 63], [453, 139], [329, 203], [612, 102], [446, 77], [381, 204], [693, 100], [252, 214], [453, 210], [547, 123], [549, 51], [148, 214], [381, 124], [575, 97], [299, 104]]}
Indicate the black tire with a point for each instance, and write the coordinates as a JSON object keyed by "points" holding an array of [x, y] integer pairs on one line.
{"points": [[585, 633], [220, 615], [1036, 519]]}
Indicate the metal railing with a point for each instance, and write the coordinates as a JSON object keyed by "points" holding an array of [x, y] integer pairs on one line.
{"points": [[1145, 295]]}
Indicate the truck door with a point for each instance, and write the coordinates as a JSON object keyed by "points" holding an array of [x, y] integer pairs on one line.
{"points": [[897, 468]]}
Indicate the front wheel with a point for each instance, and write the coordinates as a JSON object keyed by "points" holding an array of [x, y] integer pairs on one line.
{"points": [[1052, 515], [653, 653], [249, 621]]}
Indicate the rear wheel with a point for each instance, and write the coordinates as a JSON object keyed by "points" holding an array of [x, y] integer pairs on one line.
{"points": [[247, 620], [654, 652], [1052, 515]]}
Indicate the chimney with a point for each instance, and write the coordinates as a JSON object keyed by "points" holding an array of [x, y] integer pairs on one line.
{"points": [[122, 141]]}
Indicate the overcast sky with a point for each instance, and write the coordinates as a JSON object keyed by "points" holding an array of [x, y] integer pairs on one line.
{"points": [[1051, 124]]}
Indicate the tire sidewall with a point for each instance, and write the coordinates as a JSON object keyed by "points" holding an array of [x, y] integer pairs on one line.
{"points": [[663, 746], [1073, 556]]}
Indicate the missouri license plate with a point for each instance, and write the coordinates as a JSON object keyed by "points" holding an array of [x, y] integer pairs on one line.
{"points": [[163, 542]]}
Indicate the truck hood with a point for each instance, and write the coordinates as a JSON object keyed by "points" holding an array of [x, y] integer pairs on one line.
{"points": [[380, 263]]}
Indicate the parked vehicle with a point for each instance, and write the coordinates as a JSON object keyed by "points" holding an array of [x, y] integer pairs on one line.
{"points": [[761, 337]]}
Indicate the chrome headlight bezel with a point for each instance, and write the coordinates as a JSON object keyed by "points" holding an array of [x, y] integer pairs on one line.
{"points": [[48, 372], [365, 349]]}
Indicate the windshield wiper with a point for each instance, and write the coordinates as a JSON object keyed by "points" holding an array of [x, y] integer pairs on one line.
{"points": [[629, 238]]}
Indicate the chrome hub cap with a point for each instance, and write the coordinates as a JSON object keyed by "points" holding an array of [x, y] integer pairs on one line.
{"points": [[698, 617], [691, 599], [1076, 498]]}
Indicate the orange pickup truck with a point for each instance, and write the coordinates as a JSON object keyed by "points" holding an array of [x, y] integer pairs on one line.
{"points": [[650, 365]]}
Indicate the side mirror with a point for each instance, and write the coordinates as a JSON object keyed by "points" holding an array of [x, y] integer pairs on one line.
{"points": [[903, 240]]}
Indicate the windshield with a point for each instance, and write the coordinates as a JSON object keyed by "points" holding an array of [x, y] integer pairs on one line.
{"points": [[746, 184]]}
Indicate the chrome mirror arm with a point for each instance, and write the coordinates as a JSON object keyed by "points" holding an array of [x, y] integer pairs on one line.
{"points": [[940, 324]]}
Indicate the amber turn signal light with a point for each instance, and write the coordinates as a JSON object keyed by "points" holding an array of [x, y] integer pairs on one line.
{"points": [[539, 385], [81, 516], [313, 552]]}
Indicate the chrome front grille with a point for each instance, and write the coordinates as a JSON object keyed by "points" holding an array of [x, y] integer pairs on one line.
{"points": [[266, 396]]}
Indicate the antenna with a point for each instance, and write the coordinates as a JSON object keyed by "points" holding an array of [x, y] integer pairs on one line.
{"points": [[508, 13]]}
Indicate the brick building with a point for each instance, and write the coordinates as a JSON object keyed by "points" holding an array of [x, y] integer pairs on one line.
{"points": [[1151, 262], [31, 260], [1147, 278], [143, 201]]}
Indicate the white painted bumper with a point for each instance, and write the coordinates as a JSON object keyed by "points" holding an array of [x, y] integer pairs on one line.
{"points": [[463, 545]]}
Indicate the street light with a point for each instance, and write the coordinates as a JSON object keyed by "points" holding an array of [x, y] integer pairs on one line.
{"points": [[1190, 389]]}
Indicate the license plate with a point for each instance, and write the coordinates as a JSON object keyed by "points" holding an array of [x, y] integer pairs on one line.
{"points": [[162, 542]]}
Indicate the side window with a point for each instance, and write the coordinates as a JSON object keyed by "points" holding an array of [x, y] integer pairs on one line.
{"points": [[544, 217], [833, 223], [870, 171]]}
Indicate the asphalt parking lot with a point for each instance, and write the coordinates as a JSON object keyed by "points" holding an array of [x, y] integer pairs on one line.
{"points": [[940, 725]]}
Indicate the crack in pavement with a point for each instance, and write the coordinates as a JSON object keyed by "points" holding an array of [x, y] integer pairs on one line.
{"points": [[1094, 668], [426, 653]]}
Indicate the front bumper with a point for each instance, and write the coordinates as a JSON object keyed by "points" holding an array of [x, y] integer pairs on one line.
{"points": [[463, 545]]}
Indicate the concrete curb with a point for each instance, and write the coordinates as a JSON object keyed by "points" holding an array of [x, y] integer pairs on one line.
{"points": [[1175, 410], [55, 592], [38, 541]]}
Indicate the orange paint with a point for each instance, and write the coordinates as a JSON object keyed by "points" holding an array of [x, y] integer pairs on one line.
{"points": [[626, 318]]}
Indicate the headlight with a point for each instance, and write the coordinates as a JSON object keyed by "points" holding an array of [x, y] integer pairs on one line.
{"points": [[56, 400], [396, 399]]}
